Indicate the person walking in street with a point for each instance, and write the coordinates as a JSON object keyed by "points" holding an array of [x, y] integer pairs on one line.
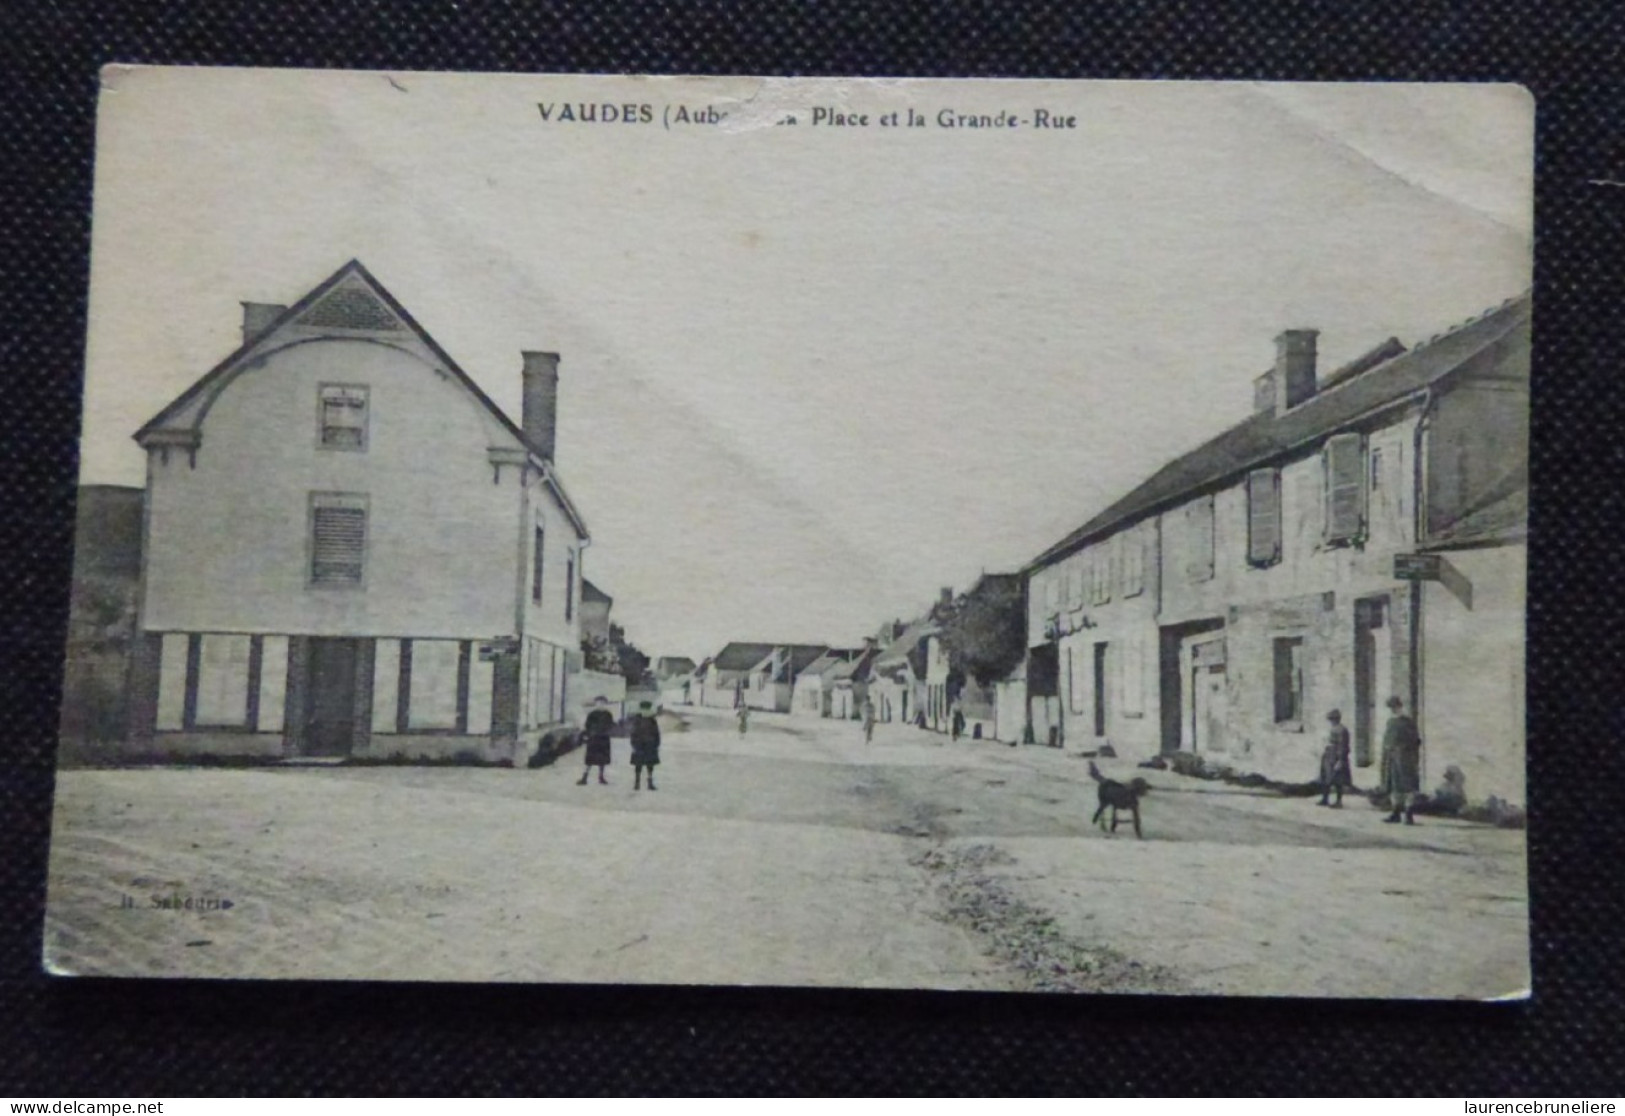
{"points": [[744, 718], [868, 720], [645, 746], [600, 723], [1401, 763], [1334, 761], [956, 720]]}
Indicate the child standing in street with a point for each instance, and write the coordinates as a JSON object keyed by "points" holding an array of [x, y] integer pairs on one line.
{"points": [[645, 746]]}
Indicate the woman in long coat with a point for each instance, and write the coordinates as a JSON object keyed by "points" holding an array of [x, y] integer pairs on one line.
{"points": [[1401, 763], [600, 723]]}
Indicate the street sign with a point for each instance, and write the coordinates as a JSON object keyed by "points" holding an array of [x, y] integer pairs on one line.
{"points": [[1417, 567]]}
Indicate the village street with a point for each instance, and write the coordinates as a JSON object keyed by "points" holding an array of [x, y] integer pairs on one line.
{"points": [[796, 854]]}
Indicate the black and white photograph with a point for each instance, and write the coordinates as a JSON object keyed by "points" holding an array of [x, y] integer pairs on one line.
{"points": [[991, 535]]}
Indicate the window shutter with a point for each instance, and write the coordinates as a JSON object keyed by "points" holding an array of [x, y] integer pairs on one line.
{"points": [[1264, 516], [338, 545], [1199, 538], [1345, 487]]}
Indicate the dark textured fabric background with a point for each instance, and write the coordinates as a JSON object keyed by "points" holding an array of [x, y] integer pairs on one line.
{"points": [[81, 1039]]}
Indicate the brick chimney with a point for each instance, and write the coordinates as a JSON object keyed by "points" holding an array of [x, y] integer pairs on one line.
{"points": [[1294, 370], [541, 402], [258, 316]]}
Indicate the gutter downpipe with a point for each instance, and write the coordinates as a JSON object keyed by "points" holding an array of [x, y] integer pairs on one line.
{"points": [[1420, 528]]}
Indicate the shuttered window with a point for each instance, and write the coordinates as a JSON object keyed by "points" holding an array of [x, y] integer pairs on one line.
{"points": [[536, 561], [338, 539], [1134, 544], [1345, 488], [1199, 539], [570, 589], [1264, 517]]}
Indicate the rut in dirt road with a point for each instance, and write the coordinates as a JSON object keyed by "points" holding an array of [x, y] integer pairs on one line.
{"points": [[1016, 933], [1024, 936]]}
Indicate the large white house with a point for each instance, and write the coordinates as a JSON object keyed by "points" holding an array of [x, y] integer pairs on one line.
{"points": [[349, 549]]}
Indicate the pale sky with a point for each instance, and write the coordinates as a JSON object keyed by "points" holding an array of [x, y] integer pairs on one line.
{"points": [[810, 375]]}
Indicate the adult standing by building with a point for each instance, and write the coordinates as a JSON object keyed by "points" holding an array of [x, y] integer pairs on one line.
{"points": [[600, 723], [645, 746], [1334, 760], [1401, 763], [868, 720], [744, 717]]}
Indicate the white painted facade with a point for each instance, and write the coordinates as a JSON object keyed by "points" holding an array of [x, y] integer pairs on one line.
{"points": [[387, 627]]}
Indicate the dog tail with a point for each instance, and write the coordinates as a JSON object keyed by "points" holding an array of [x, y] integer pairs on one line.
{"points": [[1094, 773]]}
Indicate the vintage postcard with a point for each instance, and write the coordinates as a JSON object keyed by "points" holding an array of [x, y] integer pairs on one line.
{"points": [[1058, 536]]}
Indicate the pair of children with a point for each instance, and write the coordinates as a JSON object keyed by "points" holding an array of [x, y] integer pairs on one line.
{"points": [[645, 744]]}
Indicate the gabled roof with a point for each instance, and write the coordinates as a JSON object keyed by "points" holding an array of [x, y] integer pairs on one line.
{"points": [[897, 651], [741, 656], [1266, 436], [791, 658], [855, 669], [671, 666], [591, 593], [314, 312], [825, 665]]}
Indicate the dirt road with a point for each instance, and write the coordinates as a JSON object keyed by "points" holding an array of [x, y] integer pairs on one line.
{"points": [[794, 855]]}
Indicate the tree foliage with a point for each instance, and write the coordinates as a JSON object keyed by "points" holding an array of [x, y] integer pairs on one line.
{"points": [[984, 631], [616, 655]]}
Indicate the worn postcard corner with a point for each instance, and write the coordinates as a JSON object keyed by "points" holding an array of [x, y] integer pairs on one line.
{"points": [[1016, 535]]}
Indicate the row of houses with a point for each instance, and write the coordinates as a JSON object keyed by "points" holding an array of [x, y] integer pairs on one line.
{"points": [[347, 549], [1360, 535], [905, 671]]}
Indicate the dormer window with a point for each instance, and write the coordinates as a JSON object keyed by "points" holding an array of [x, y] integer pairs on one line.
{"points": [[343, 417]]}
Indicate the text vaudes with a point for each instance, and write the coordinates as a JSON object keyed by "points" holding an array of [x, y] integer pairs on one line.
{"points": [[639, 113]]}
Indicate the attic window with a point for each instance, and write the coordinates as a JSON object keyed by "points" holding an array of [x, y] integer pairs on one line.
{"points": [[343, 417]]}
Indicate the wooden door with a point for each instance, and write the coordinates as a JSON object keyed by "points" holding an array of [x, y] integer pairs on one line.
{"points": [[331, 724]]}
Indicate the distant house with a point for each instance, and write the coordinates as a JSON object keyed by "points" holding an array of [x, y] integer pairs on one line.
{"points": [[849, 683], [673, 676], [728, 672], [673, 666], [770, 684], [815, 684], [351, 550], [897, 681], [694, 686], [595, 608]]}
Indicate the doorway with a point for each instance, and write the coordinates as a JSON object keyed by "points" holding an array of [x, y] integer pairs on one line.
{"points": [[1100, 689], [1373, 674], [1209, 707], [331, 721]]}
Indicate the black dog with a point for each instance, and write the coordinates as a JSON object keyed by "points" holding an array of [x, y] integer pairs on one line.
{"points": [[1119, 796]]}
